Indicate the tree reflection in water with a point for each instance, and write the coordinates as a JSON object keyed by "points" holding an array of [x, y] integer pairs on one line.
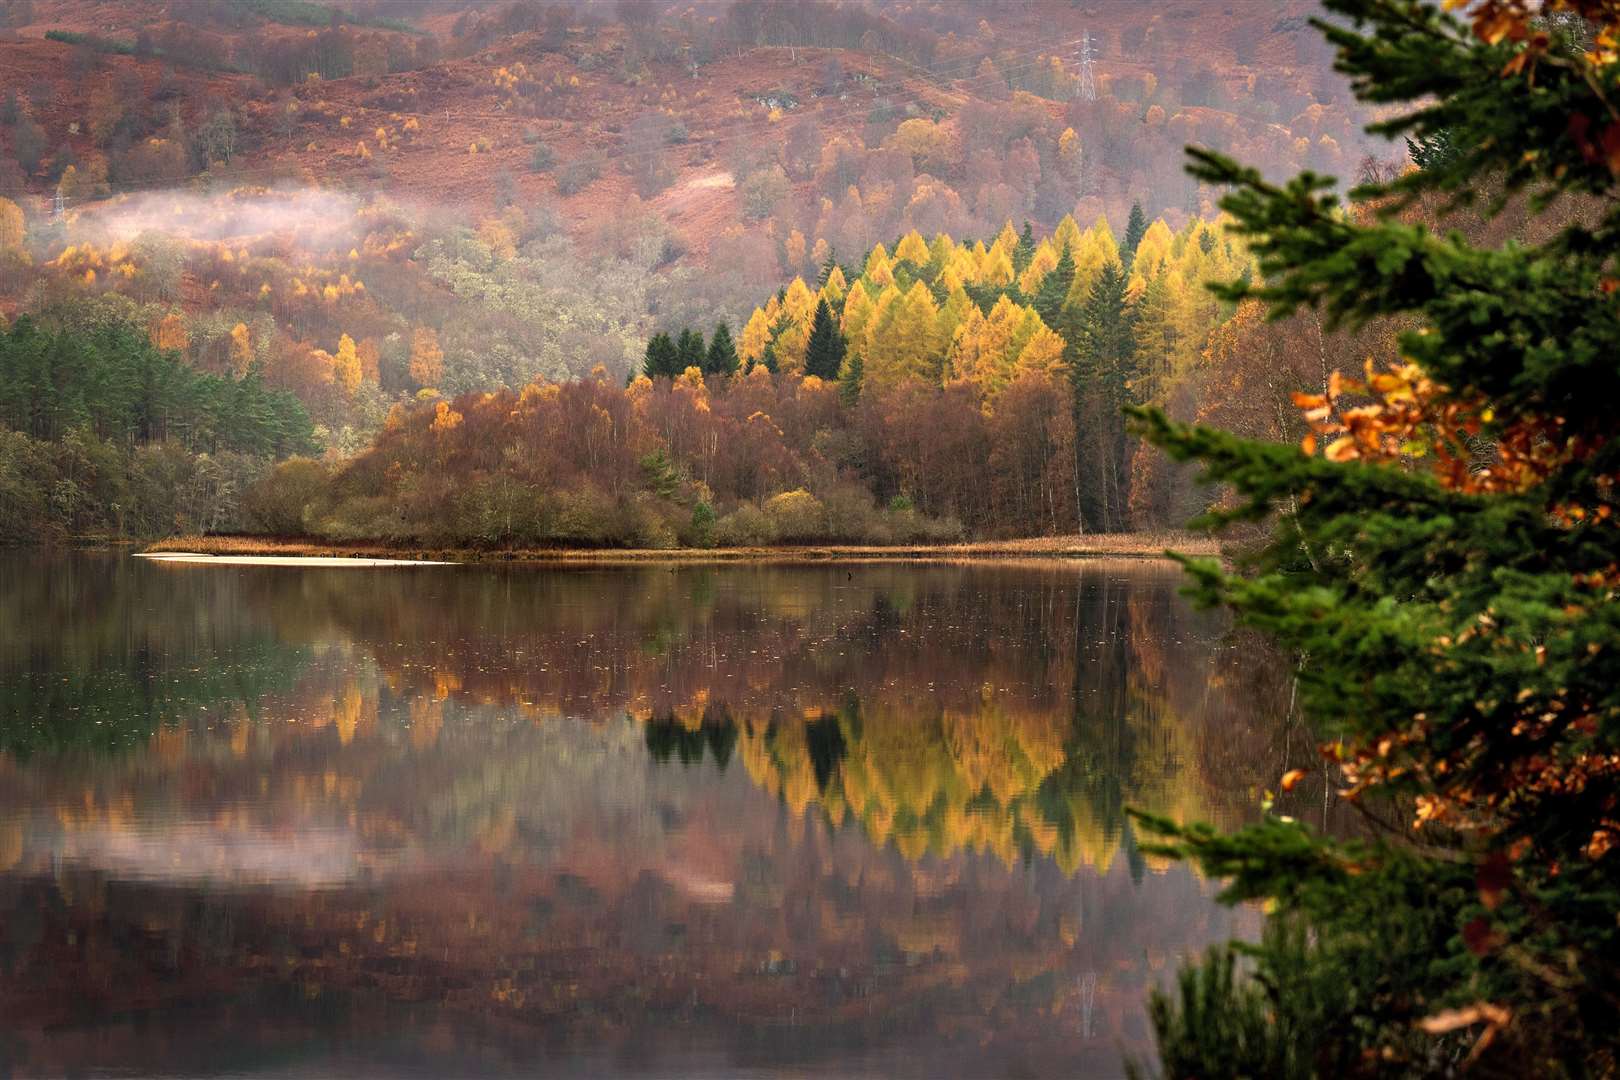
{"points": [[660, 820]]}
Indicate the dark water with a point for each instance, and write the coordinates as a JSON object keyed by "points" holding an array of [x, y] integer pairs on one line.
{"points": [[699, 821]]}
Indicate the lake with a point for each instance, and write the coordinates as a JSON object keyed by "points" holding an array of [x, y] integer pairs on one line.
{"points": [[668, 820]]}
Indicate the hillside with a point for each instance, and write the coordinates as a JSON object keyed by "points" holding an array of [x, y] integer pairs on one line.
{"points": [[537, 188]]}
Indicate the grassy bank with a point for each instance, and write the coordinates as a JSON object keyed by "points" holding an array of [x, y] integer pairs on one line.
{"points": [[1114, 545]]}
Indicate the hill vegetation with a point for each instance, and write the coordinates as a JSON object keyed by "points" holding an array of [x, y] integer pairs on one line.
{"points": [[542, 187]]}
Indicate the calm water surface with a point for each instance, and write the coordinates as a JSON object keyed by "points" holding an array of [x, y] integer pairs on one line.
{"points": [[659, 821]]}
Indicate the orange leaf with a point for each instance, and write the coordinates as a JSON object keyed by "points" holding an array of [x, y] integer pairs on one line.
{"points": [[1307, 446], [1291, 779], [1452, 1019]]}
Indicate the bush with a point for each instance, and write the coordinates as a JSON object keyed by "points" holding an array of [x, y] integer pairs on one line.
{"points": [[762, 192], [746, 526], [797, 516], [542, 159], [495, 511], [276, 504], [910, 527], [700, 529], [577, 175]]}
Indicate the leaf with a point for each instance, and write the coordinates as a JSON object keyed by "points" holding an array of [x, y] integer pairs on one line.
{"points": [[1479, 937], [1442, 1023], [1307, 446], [1493, 878], [1291, 779]]}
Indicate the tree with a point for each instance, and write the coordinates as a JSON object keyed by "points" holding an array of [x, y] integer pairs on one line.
{"points": [[721, 358], [902, 340], [1102, 368], [241, 350], [663, 357], [1135, 229], [13, 228], [1053, 292], [824, 356], [427, 358], [346, 366], [1453, 611], [690, 350]]}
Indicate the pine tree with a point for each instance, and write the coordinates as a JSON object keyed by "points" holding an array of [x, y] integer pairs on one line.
{"points": [[690, 350], [849, 384], [1135, 229], [1454, 615], [721, 358], [663, 359], [1024, 250], [1053, 292], [1102, 367], [828, 265], [824, 356]]}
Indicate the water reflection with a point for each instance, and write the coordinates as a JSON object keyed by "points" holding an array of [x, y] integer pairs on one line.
{"points": [[644, 820]]}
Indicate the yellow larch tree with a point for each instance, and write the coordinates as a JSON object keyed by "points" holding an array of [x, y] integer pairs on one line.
{"points": [[902, 343], [1067, 234], [1154, 250], [799, 305], [834, 288], [857, 316], [1040, 264], [756, 335], [170, 333], [427, 358], [913, 249], [241, 350], [346, 366], [13, 228], [879, 270]]}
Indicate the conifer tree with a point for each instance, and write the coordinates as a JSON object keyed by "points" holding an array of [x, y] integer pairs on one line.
{"points": [[824, 355], [690, 350], [828, 265], [1103, 363], [1024, 250], [721, 359], [1053, 293], [1135, 229], [1454, 614], [663, 359], [849, 383]]}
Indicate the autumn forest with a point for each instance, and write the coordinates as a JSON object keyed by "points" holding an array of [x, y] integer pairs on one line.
{"points": [[810, 537]]}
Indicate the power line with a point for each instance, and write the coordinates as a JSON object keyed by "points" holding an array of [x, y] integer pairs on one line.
{"points": [[1088, 74]]}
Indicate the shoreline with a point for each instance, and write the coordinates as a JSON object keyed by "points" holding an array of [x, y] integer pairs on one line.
{"points": [[1147, 546]]}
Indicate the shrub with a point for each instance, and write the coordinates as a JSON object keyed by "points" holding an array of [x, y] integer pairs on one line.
{"points": [[276, 504], [496, 511], [746, 526], [542, 159], [577, 175], [700, 529], [797, 516], [762, 191]]}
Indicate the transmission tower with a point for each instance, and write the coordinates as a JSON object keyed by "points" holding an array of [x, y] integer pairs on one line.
{"points": [[58, 206], [1088, 72]]}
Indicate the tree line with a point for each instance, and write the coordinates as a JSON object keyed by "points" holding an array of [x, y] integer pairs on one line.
{"points": [[101, 432]]}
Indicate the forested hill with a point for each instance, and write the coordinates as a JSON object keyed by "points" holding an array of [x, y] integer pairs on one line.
{"points": [[478, 195], [367, 208], [944, 389]]}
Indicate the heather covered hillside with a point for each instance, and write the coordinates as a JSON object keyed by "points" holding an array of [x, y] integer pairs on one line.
{"points": [[370, 205]]}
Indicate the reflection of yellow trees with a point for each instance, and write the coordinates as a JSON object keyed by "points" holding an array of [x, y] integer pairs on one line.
{"points": [[1011, 782]]}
